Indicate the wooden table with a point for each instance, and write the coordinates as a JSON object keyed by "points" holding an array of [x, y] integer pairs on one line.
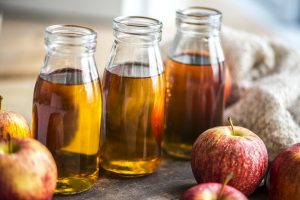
{"points": [[169, 182]]}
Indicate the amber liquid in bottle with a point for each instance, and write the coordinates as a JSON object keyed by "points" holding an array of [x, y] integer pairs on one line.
{"points": [[194, 100], [66, 118], [134, 115]]}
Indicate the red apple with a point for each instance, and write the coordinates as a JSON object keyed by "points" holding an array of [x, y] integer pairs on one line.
{"points": [[284, 176], [27, 170], [212, 191], [13, 123], [221, 150]]}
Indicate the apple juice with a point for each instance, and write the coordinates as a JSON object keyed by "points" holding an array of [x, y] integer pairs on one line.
{"points": [[194, 100], [66, 118], [133, 119]]}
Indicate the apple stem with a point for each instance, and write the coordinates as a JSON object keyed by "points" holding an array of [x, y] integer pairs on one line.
{"points": [[1, 102], [231, 125], [10, 148], [227, 179]]}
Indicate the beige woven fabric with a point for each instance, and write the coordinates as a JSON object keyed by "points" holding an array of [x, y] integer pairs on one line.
{"points": [[266, 88]]}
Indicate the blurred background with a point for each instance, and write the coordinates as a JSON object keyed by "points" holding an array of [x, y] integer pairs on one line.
{"points": [[22, 23]]}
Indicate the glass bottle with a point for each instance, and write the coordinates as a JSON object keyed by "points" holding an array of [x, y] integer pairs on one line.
{"points": [[195, 79], [67, 106], [134, 90]]}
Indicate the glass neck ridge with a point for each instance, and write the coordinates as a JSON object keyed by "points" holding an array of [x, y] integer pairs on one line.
{"points": [[70, 40], [137, 30], [199, 21]]}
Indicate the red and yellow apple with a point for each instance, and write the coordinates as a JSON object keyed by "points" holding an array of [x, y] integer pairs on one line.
{"points": [[13, 123], [284, 176], [212, 191], [221, 150], [27, 170]]}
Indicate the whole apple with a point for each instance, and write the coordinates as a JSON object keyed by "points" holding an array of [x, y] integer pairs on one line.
{"points": [[212, 191], [221, 150], [12, 123], [27, 170], [284, 176]]}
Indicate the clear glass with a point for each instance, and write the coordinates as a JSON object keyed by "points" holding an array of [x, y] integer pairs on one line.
{"points": [[134, 90], [67, 106], [195, 79]]}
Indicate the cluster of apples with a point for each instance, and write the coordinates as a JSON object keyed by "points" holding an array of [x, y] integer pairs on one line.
{"points": [[238, 153], [27, 168]]}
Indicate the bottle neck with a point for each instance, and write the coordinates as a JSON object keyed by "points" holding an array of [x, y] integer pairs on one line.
{"points": [[206, 43], [72, 51], [137, 40], [137, 30], [69, 47], [198, 30], [57, 61], [70, 40], [199, 21], [60, 56]]}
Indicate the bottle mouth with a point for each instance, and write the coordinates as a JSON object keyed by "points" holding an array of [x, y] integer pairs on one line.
{"points": [[199, 16], [70, 35], [137, 25]]}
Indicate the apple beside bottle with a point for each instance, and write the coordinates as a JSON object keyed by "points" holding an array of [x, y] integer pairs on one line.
{"points": [[230, 149], [27, 170]]}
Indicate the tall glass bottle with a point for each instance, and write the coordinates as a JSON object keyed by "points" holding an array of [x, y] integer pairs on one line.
{"points": [[67, 106], [195, 79], [134, 90]]}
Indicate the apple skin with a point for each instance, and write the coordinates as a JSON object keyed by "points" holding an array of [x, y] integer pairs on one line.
{"points": [[14, 124], [210, 191], [217, 152], [283, 180], [29, 173]]}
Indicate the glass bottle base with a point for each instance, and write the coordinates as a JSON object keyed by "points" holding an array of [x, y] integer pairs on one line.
{"points": [[182, 151], [126, 168], [74, 185]]}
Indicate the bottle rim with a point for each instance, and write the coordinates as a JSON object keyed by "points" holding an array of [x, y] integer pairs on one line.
{"points": [[70, 34], [197, 15], [137, 25]]}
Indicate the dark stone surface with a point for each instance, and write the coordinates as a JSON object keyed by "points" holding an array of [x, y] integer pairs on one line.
{"points": [[171, 179]]}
